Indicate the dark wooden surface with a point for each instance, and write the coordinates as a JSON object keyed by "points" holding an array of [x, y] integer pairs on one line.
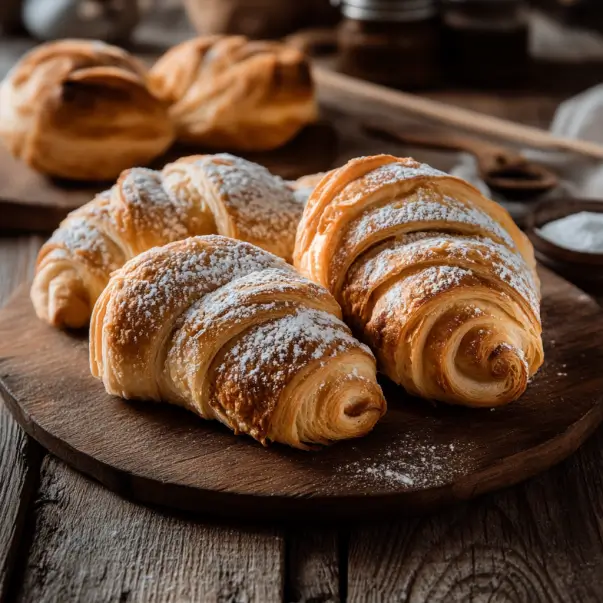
{"points": [[64, 538], [162, 455]]}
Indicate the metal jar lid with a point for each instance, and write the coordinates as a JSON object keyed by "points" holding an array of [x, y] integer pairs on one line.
{"points": [[388, 10]]}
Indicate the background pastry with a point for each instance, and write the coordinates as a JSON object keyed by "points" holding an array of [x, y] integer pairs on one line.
{"points": [[233, 333], [81, 110], [196, 195], [228, 92], [436, 278]]}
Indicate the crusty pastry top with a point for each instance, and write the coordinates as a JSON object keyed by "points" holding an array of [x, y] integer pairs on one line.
{"points": [[82, 110], [435, 277], [234, 333], [229, 92]]}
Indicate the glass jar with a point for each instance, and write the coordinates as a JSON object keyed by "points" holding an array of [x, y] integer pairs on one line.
{"points": [[391, 42], [487, 42]]}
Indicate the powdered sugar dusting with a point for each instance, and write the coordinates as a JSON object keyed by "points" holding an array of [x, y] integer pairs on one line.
{"points": [[399, 298], [408, 463], [422, 209], [252, 375], [435, 279], [264, 205], [285, 344], [398, 171], [151, 207], [166, 278], [82, 237], [464, 251]]}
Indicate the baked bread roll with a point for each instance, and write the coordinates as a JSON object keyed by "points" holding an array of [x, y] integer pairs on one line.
{"points": [[196, 195], [304, 186], [81, 110], [227, 92], [233, 333], [436, 278]]}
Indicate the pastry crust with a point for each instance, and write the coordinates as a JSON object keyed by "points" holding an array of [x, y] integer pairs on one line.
{"points": [[81, 110], [437, 279], [235, 334], [228, 92], [196, 195]]}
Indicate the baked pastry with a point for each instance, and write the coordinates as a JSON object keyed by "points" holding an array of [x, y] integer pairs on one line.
{"points": [[81, 110], [227, 92], [436, 278], [303, 187], [194, 196], [233, 333]]}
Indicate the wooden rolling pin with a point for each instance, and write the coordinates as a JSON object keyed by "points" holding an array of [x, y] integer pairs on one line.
{"points": [[331, 83]]}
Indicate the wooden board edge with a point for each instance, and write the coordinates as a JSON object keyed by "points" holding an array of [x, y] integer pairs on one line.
{"points": [[221, 505]]}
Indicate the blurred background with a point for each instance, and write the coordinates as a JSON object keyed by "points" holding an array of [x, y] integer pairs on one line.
{"points": [[536, 45]]}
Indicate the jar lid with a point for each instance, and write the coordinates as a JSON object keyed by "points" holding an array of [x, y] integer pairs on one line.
{"points": [[388, 10]]}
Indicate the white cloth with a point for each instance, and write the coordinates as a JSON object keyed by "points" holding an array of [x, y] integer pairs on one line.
{"points": [[580, 117]]}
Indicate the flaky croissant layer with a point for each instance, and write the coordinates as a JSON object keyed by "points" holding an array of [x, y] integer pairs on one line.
{"points": [[434, 277], [81, 109], [196, 195], [235, 334], [228, 92]]}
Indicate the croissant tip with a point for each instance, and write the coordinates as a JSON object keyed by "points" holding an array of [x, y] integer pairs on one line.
{"points": [[68, 309]]}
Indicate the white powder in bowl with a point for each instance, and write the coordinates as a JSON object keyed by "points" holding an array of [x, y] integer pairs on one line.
{"points": [[579, 232]]}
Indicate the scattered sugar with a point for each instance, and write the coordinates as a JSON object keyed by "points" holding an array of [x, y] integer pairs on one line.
{"points": [[424, 284], [424, 207], [150, 206], [155, 210], [285, 344], [405, 461], [466, 251], [265, 206], [165, 278]]}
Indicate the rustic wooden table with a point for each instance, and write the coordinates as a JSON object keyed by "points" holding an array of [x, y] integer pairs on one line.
{"points": [[65, 538]]}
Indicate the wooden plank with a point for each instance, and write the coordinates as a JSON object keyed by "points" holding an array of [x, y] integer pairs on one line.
{"points": [[542, 541], [18, 455], [313, 559], [90, 545]]}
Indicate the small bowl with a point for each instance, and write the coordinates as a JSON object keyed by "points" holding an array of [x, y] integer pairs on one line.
{"points": [[577, 266]]}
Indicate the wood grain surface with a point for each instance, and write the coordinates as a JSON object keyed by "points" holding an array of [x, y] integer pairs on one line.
{"points": [[118, 551], [19, 456], [539, 542], [419, 456], [313, 562]]}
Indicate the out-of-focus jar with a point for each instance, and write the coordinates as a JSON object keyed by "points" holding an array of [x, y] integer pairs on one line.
{"points": [[391, 42], [487, 42]]}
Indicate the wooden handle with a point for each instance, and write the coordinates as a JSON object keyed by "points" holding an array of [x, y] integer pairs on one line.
{"points": [[445, 141], [330, 83]]}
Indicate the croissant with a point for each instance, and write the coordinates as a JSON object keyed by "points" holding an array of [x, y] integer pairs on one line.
{"points": [[229, 92], [233, 333], [81, 110], [434, 277], [194, 196]]}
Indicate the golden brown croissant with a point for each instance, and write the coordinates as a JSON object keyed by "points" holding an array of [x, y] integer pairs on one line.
{"points": [[436, 278], [81, 109], [229, 92], [194, 196], [234, 333]]}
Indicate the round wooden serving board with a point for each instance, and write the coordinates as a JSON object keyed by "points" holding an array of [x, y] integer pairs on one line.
{"points": [[419, 456]]}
